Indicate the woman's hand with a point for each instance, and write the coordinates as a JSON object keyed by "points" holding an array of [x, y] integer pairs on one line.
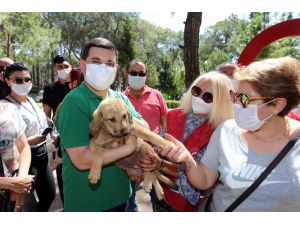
{"points": [[177, 153], [56, 141], [36, 139], [21, 184], [19, 199], [150, 162]]}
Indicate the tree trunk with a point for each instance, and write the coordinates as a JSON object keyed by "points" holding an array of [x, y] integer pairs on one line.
{"points": [[51, 69], [33, 75], [8, 45], [38, 75], [191, 46]]}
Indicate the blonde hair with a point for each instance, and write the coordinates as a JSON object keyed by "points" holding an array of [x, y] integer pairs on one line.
{"points": [[222, 108], [278, 78]]}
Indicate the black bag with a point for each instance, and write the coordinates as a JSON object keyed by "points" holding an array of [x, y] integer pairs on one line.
{"points": [[30, 204], [5, 204], [163, 206]]}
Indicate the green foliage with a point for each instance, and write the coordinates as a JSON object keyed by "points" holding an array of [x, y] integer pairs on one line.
{"points": [[28, 38], [226, 40], [285, 47], [34, 38], [219, 43], [172, 104]]}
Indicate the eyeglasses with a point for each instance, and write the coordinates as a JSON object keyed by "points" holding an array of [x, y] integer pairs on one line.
{"points": [[245, 99], [140, 74], [206, 96], [20, 80]]}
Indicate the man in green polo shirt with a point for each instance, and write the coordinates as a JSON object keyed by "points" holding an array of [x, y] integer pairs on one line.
{"points": [[99, 64]]}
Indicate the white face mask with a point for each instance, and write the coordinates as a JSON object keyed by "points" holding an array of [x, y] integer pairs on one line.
{"points": [[21, 89], [247, 118], [63, 74], [200, 107], [100, 76], [136, 82]]}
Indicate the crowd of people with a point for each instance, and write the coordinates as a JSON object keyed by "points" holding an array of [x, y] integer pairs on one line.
{"points": [[235, 137]]}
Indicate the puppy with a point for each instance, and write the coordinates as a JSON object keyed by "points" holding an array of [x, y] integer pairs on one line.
{"points": [[112, 122]]}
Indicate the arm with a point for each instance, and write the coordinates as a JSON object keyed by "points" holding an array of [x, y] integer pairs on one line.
{"points": [[142, 122], [47, 101], [48, 110], [21, 184], [36, 139], [81, 157], [163, 121], [200, 176], [25, 155], [163, 111]]}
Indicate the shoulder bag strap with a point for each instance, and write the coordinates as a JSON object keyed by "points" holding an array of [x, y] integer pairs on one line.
{"points": [[264, 174], [1, 167]]}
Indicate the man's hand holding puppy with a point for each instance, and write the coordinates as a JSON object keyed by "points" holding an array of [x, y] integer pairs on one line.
{"points": [[81, 157]]}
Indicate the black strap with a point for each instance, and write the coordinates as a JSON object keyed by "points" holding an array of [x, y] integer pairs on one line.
{"points": [[264, 174], [1, 167], [7, 99]]}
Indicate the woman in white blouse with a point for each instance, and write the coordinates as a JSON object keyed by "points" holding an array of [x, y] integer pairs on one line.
{"points": [[15, 155], [19, 80]]}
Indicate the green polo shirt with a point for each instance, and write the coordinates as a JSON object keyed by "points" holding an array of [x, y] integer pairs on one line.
{"points": [[73, 120]]}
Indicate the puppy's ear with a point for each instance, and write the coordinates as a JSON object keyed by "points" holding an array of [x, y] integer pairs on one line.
{"points": [[96, 123], [129, 117]]}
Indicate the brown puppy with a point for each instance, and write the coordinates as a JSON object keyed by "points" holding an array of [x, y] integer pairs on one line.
{"points": [[112, 122]]}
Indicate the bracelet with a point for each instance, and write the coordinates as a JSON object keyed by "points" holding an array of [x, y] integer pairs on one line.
{"points": [[162, 164]]}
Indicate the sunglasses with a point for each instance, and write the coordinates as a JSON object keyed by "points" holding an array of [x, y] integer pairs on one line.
{"points": [[245, 99], [206, 96], [19, 80], [140, 74], [2, 69]]}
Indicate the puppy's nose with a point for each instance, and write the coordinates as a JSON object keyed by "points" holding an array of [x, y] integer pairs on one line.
{"points": [[124, 132]]}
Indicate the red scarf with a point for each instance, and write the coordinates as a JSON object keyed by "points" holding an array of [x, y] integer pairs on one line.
{"points": [[199, 138]]}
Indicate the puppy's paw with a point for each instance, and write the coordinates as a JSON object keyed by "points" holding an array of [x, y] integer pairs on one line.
{"points": [[160, 196], [147, 187], [94, 177]]}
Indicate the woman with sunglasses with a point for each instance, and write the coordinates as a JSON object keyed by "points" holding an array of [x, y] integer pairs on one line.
{"points": [[19, 80], [14, 158], [205, 105], [241, 149]]}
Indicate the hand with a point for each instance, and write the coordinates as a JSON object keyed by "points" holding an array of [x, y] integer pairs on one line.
{"points": [[22, 184], [177, 153], [131, 143], [135, 176], [56, 141], [36, 139], [150, 162], [19, 199]]}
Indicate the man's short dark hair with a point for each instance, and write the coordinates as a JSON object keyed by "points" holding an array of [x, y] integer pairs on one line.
{"points": [[13, 68], [58, 59], [99, 43]]}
